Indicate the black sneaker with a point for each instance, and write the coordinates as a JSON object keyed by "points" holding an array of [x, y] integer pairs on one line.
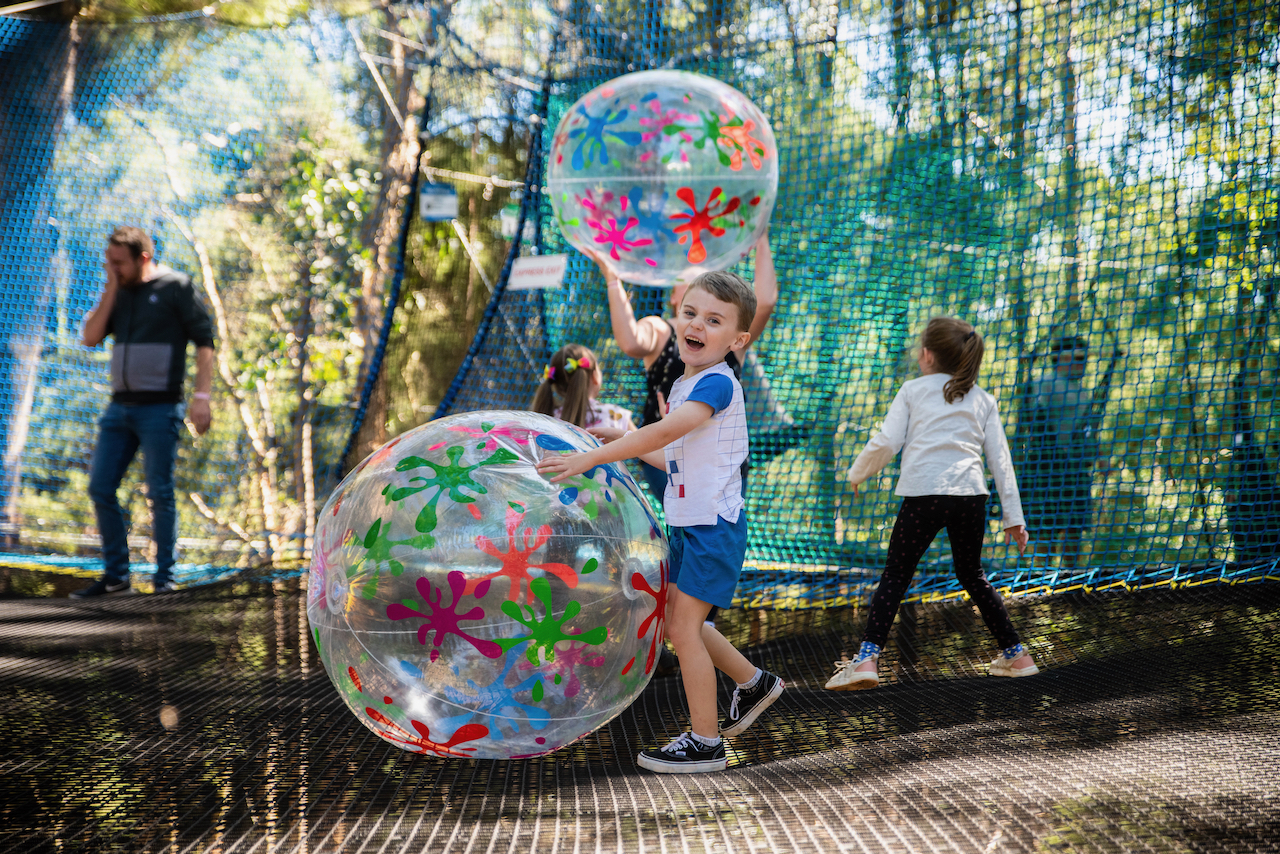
{"points": [[165, 587], [103, 587], [748, 703], [684, 755]]}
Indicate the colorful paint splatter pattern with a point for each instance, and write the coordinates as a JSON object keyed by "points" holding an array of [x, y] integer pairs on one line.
{"points": [[547, 640]]}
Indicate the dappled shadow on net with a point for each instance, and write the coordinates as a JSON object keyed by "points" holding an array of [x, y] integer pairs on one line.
{"points": [[203, 721]]}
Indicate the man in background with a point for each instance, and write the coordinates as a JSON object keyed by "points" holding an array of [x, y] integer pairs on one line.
{"points": [[1057, 480], [151, 312]]}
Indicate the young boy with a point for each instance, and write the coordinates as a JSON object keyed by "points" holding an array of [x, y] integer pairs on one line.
{"points": [[701, 443]]}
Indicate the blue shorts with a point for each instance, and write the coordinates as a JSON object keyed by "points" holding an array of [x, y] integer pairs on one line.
{"points": [[706, 560]]}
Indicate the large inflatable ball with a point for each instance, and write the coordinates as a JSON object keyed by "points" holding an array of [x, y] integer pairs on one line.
{"points": [[463, 605], [665, 174]]}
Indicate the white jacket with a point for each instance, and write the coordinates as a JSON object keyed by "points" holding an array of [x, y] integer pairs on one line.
{"points": [[942, 445]]}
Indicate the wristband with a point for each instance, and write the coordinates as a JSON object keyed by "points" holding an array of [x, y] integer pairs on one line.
{"points": [[201, 395]]}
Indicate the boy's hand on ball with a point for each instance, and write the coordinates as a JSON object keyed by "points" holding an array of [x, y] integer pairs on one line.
{"points": [[563, 466], [1017, 534]]}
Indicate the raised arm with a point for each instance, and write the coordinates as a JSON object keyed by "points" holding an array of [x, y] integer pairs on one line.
{"points": [[648, 439], [639, 339], [766, 286]]}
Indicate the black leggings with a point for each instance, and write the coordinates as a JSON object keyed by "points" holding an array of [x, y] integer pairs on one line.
{"points": [[919, 520]]}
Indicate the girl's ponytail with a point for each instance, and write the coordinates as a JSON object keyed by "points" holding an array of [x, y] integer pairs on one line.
{"points": [[544, 399], [568, 375], [958, 348]]}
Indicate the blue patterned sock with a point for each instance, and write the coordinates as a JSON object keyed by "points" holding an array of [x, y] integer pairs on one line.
{"points": [[1015, 651], [867, 650]]}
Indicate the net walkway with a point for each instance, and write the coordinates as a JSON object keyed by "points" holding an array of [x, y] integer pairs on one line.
{"points": [[203, 722]]}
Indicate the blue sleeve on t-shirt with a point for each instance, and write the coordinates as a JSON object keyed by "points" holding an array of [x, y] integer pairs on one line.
{"points": [[715, 390]]}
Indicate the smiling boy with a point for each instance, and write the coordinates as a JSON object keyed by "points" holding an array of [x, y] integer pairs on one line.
{"points": [[701, 443]]}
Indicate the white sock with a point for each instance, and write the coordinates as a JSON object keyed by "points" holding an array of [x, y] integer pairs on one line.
{"points": [[704, 741], [751, 683]]}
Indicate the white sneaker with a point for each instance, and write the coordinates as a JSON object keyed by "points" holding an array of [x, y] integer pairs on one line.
{"points": [[1004, 667], [847, 677]]}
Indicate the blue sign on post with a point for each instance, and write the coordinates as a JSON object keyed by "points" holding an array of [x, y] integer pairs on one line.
{"points": [[437, 202]]}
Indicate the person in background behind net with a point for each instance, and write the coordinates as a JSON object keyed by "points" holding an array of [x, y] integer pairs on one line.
{"points": [[151, 312], [1061, 453]]}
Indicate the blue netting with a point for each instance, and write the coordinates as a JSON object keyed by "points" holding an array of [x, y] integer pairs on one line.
{"points": [[245, 154], [1105, 171], [935, 169]]}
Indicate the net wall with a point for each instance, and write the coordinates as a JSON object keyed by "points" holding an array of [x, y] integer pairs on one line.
{"points": [[1101, 172], [251, 156]]}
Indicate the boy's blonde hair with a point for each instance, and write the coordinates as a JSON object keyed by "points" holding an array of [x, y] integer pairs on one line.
{"points": [[731, 288]]}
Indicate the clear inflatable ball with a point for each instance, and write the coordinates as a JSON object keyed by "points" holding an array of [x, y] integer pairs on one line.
{"points": [[664, 174], [465, 606]]}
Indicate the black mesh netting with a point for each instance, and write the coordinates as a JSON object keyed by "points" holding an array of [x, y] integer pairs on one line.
{"points": [[203, 721], [1096, 172]]}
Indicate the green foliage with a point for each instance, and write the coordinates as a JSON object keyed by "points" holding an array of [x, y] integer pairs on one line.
{"points": [[245, 13], [286, 261], [1104, 169]]}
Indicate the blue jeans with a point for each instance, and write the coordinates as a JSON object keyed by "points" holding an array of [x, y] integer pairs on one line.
{"points": [[122, 430]]}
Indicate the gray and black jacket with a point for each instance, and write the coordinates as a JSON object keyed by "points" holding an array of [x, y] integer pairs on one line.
{"points": [[151, 325]]}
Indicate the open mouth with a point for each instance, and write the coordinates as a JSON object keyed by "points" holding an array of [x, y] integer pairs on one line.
{"points": [[693, 344]]}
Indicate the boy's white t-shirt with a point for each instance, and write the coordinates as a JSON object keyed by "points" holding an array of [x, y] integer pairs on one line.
{"points": [[704, 478], [943, 445]]}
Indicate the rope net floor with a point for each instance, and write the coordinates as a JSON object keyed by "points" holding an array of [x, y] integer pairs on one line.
{"points": [[203, 722]]}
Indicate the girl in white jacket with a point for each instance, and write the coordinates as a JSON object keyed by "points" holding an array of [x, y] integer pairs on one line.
{"points": [[943, 423]]}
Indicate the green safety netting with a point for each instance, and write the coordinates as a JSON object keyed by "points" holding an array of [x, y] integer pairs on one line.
{"points": [[1097, 172]]}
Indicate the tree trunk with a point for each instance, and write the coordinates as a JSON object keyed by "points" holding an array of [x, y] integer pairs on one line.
{"points": [[1017, 183], [397, 158], [1071, 267], [901, 66], [304, 495]]}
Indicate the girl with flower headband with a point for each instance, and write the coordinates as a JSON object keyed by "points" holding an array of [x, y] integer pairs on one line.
{"points": [[570, 383]]}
